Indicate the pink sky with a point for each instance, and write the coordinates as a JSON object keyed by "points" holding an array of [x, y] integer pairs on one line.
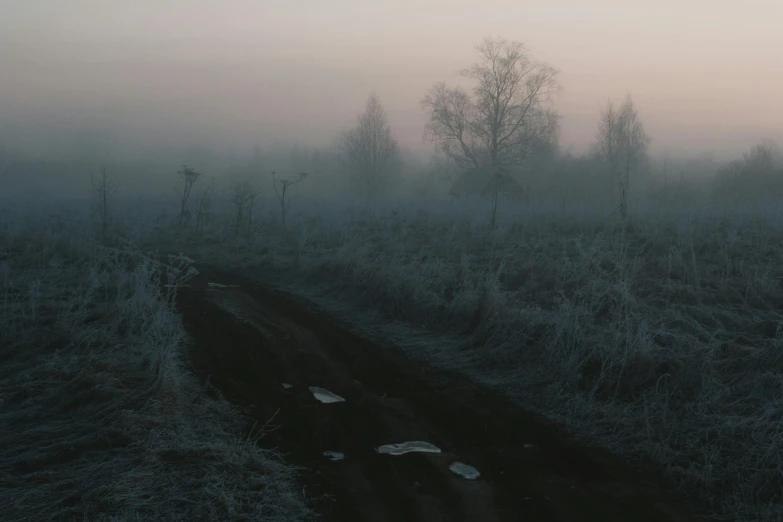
{"points": [[706, 75]]}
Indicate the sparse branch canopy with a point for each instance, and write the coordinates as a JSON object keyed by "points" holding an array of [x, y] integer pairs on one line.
{"points": [[508, 117], [370, 150], [623, 143], [608, 145]]}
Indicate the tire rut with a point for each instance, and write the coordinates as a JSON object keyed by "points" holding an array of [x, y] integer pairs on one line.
{"points": [[248, 341]]}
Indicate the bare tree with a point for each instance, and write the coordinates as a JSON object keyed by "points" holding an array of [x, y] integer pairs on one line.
{"points": [[104, 187], [756, 175], [608, 138], [370, 149], [634, 143], [506, 120], [285, 206], [242, 196], [190, 177], [623, 144]]}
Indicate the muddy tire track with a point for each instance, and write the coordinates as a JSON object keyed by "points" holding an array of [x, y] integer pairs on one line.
{"points": [[249, 341]]}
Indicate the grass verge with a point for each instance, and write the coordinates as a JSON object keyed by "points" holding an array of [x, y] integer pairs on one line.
{"points": [[100, 418]]}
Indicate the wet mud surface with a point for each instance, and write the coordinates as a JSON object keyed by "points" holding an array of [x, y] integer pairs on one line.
{"points": [[265, 350]]}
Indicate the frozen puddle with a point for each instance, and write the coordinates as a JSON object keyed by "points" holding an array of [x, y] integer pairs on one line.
{"points": [[287, 386], [464, 470], [334, 455], [325, 396], [416, 446], [218, 285]]}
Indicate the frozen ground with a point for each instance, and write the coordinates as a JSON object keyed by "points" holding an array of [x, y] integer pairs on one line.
{"points": [[659, 340], [100, 417]]}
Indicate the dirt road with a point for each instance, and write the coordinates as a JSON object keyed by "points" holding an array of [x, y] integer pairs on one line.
{"points": [[266, 349]]}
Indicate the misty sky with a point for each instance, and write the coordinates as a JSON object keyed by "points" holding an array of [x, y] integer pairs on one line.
{"points": [[706, 75]]}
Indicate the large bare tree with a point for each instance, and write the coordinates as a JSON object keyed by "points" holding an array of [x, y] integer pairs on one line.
{"points": [[508, 117], [623, 143], [370, 149]]}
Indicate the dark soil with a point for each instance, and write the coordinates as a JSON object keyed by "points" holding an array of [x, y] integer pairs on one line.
{"points": [[270, 338]]}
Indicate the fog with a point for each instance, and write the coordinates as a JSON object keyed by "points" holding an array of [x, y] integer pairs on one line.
{"points": [[572, 207], [205, 83]]}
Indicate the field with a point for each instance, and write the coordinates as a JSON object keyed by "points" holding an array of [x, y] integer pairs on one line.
{"points": [[503, 262], [658, 340], [100, 417]]}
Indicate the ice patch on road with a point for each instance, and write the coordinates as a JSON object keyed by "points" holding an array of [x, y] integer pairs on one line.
{"points": [[415, 446], [325, 396], [334, 455], [464, 470], [287, 386], [218, 285]]}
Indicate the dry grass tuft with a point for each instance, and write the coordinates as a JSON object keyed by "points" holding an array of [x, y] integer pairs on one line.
{"points": [[99, 416]]}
